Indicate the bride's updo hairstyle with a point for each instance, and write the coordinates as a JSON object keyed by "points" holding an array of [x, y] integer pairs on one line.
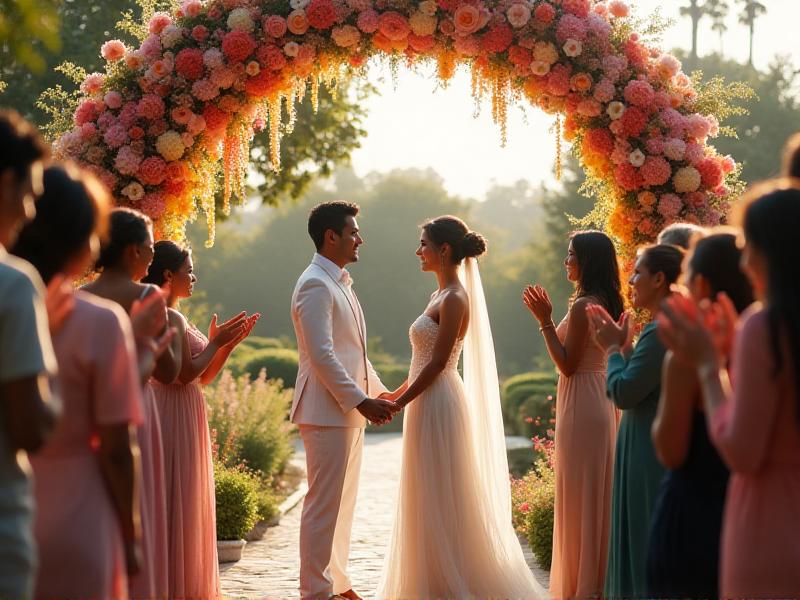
{"points": [[453, 231]]}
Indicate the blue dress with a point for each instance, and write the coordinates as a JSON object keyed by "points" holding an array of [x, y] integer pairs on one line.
{"points": [[683, 557]]}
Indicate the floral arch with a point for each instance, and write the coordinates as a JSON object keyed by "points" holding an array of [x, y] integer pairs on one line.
{"points": [[167, 116]]}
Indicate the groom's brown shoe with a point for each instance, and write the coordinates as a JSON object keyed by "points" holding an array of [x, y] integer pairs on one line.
{"points": [[350, 595]]}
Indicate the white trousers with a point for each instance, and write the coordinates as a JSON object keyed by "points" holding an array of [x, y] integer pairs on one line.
{"points": [[333, 464]]}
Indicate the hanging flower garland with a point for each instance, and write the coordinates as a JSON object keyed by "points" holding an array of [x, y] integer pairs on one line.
{"points": [[166, 116]]}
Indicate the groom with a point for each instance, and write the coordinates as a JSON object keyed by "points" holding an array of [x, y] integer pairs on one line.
{"points": [[334, 396]]}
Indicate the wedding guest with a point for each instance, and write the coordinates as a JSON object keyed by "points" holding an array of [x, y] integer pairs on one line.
{"points": [[193, 569], [586, 422], [123, 261], [683, 555], [756, 425], [791, 157], [27, 415], [679, 234], [633, 383], [87, 521]]}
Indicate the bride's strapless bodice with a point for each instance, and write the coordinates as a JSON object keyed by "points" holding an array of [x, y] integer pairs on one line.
{"points": [[422, 334]]}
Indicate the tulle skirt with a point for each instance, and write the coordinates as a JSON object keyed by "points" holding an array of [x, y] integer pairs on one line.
{"points": [[443, 543]]}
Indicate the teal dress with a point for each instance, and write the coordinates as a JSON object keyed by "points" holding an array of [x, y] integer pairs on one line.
{"points": [[634, 386]]}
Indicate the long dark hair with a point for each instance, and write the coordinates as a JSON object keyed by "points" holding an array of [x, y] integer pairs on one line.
{"points": [[770, 226], [73, 206], [127, 226], [717, 257], [167, 256], [599, 270]]}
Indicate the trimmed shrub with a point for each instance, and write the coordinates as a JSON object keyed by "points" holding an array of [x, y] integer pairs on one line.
{"points": [[533, 506], [236, 493], [259, 342], [279, 363], [267, 504], [392, 374], [527, 403]]}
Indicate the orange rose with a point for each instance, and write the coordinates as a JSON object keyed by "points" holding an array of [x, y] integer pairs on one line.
{"points": [[582, 82], [297, 22], [467, 19]]}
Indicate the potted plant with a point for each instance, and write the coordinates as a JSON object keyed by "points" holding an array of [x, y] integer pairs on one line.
{"points": [[237, 508]]}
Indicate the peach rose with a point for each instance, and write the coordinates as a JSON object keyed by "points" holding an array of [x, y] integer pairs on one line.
{"points": [[291, 49], [467, 19], [297, 22], [345, 36], [518, 15], [582, 82], [422, 24], [113, 50], [393, 26], [275, 26]]}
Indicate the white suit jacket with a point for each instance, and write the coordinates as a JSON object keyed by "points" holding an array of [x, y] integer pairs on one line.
{"points": [[334, 374]]}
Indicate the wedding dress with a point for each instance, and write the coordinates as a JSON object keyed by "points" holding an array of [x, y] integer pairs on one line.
{"points": [[452, 536]]}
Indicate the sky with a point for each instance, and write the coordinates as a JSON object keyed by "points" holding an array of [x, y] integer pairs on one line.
{"points": [[413, 122]]}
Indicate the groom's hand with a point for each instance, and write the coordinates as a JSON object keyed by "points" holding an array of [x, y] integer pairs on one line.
{"points": [[376, 410]]}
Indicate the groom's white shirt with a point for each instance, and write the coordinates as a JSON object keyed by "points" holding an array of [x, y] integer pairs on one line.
{"points": [[334, 374]]}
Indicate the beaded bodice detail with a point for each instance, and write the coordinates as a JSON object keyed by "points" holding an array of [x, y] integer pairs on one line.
{"points": [[422, 334]]}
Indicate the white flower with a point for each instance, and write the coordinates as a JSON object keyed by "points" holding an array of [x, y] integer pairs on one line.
{"points": [[133, 191], [636, 158], [428, 7], [291, 49], [240, 20], [518, 15], [299, 4], [573, 48], [171, 35], [615, 110], [540, 68]]}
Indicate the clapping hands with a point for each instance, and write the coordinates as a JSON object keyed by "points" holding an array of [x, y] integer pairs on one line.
{"points": [[538, 302], [607, 333], [232, 331]]}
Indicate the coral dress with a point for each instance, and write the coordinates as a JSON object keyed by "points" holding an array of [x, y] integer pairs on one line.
{"points": [[586, 431], [191, 518], [76, 527], [758, 436]]}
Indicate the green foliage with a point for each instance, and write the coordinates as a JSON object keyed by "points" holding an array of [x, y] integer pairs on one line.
{"points": [[236, 493], [392, 374], [28, 28], [279, 363], [260, 343], [267, 503], [249, 422], [527, 402]]}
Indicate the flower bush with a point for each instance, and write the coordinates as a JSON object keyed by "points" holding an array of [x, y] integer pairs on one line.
{"points": [[527, 402], [533, 503], [205, 73]]}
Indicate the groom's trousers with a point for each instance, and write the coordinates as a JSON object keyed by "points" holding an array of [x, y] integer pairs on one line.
{"points": [[333, 464]]}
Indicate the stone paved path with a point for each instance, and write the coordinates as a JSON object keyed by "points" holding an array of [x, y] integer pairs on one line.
{"points": [[269, 567]]}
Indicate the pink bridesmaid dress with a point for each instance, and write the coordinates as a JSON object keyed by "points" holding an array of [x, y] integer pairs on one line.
{"points": [[191, 511], [77, 532], [758, 436], [586, 433]]}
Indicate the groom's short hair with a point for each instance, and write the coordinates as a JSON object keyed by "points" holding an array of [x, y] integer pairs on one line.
{"points": [[329, 215]]}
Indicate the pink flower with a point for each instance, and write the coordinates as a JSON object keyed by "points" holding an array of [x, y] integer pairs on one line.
{"points": [[93, 84], [272, 57], [571, 27], [151, 48], [238, 45], [627, 177], [639, 93], [467, 19], [150, 107], [115, 136], [573, 48], [728, 164], [498, 38], [345, 35], [698, 126], [645, 226], [223, 77], [694, 153], [524, 507], [192, 8], [655, 145], [189, 63], [668, 66], [127, 161], [711, 173], [204, 90], [618, 9], [633, 121], [367, 21], [152, 170], [153, 205], [158, 22], [196, 124], [394, 26], [589, 108], [180, 115], [669, 206], [85, 112], [518, 15], [128, 114], [112, 50], [321, 14], [87, 131], [604, 91], [544, 13], [275, 26], [646, 200], [579, 8], [467, 45], [558, 81], [297, 22], [199, 33], [655, 171]]}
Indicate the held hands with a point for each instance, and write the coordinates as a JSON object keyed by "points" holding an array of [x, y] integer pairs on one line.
{"points": [[538, 302], [378, 410]]}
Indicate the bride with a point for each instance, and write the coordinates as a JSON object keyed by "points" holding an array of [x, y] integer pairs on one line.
{"points": [[452, 535]]}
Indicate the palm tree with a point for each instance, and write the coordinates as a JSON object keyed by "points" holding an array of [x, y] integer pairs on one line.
{"points": [[695, 11], [751, 10], [718, 11]]}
